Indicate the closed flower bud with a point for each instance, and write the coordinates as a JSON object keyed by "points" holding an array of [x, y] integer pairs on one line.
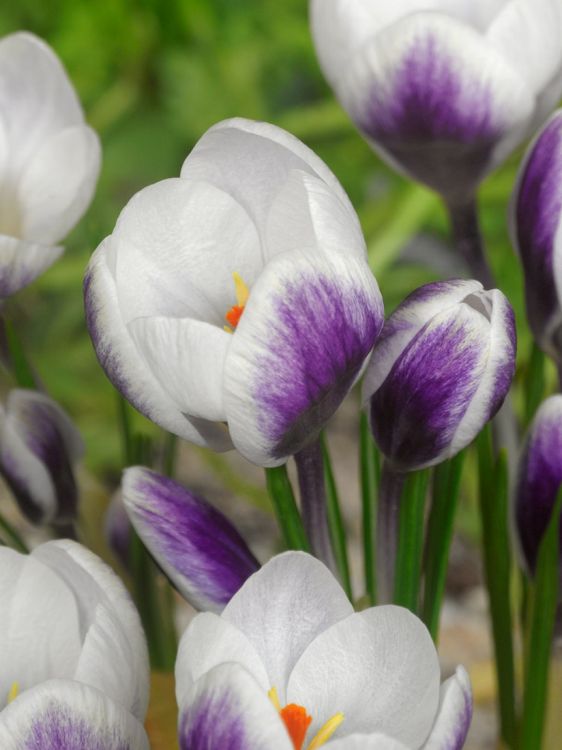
{"points": [[444, 90], [440, 370], [536, 213], [39, 448], [539, 478]]}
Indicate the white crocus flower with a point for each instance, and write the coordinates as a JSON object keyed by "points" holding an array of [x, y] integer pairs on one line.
{"points": [[444, 89], [289, 665], [49, 160], [74, 664], [256, 237]]}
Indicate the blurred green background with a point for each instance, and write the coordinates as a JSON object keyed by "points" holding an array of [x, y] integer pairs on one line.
{"points": [[153, 76]]}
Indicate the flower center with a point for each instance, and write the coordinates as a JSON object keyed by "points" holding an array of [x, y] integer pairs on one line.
{"points": [[233, 316], [297, 721]]}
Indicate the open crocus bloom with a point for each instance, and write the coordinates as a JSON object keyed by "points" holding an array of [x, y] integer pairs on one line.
{"points": [[39, 447], [444, 89], [290, 666], [49, 160], [441, 369], [74, 660], [234, 305]]}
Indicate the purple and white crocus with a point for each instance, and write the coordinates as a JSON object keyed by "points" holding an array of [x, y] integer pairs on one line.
{"points": [[441, 369], [234, 305], [536, 214], [74, 659], [39, 449], [443, 89], [289, 665], [539, 479], [195, 544], [49, 160]]}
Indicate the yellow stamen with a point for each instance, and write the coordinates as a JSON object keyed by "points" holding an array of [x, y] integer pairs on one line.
{"points": [[274, 698], [326, 732], [14, 692], [241, 289]]}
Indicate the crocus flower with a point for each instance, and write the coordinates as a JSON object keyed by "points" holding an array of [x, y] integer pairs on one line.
{"points": [[74, 660], [290, 666], [440, 370], [196, 545], [444, 90], [536, 211], [39, 447], [49, 160], [539, 478], [256, 237]]}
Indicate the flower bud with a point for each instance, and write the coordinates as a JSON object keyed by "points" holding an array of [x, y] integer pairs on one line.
{"points": [[443, 90], [440, 370], [539, 478], [39, 447], [536, 211]]}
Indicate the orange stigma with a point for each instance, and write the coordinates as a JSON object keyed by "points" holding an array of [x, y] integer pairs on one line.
{"points": [[297, 722], [233, 316]]}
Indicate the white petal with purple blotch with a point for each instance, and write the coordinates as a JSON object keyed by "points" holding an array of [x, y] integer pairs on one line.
{"points": [[22, 262], [379, 668], [455, 714], [283, 607], [208, 641], [114, 656], [64, 715], [195, 544], [227, 708], [308, 326]]}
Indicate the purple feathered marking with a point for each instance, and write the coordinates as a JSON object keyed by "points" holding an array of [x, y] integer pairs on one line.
{"points": [[58, 728], [213, 723]]}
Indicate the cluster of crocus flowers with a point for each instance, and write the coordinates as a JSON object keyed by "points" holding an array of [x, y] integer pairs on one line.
{"points": [[444, 90], [256, 237], [74, 659], [288, 665], [49, 160]]}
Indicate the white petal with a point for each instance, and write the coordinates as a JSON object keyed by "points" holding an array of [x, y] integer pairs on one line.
{"points": [[227, 708], [114, 657], [455, 714], [527, 34], [379, 667], [39, 628], [177, 244], [307, 214], [252, 161], [123, 363], [58, 183], [22, 262], [283, 607], [309, 324], [211, 640], [68, 716], [187, 357], [36, 96], [406, 322], [366, 742]]}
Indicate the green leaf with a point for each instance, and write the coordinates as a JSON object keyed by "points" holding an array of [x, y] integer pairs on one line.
{"points": [[285, 506], [335, 520], [369, 469]]}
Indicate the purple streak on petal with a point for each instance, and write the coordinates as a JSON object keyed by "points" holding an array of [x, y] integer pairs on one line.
{"points": [[118, 530], [537, 215], [417, 409], [58, 728], [506, 370], [196, 544], [319, 341], [212, 723], [427, 106], [457, 738], [539, 478]]}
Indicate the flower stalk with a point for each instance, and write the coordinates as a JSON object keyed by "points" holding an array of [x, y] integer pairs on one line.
{"points": [[336, 521], [369, 468], [467, 239], [388, 513], [285, 507]]}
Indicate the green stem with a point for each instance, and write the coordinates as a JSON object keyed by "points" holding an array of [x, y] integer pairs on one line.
{"points": [[170, 455], [493, 483], [543, 605], [11, 536], [369, 471], [23, 373], [410, 541], [388, 515], [127, 439], [285, 506], [444, 502], [335, 521]]}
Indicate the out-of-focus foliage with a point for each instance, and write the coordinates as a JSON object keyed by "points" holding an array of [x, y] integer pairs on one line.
{"points": [[153, 76]]}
